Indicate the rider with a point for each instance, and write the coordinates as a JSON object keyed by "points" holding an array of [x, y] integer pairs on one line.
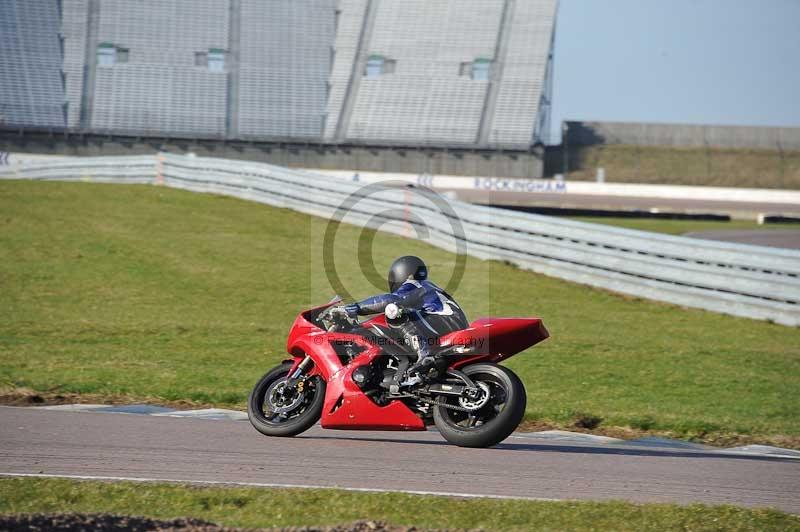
{"points": [[428, 312]]}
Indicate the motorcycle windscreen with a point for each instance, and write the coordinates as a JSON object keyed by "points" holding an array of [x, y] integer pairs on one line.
{"points": [[497, 336]]}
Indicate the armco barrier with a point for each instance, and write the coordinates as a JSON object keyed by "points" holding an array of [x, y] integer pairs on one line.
{"points": [[749, 281]]}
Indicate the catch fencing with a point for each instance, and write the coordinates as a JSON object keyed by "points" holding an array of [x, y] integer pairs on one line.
{"points": [[741, 280]]}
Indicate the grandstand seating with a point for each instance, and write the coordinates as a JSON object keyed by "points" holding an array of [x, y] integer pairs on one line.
{"points": [[350, 17], [522, 78], [159, 88], [384, 72], [73, 28], [31, 83], [285, 58], [426, 100]]}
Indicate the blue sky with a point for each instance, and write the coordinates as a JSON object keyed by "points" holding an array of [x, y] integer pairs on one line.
{"points": [[731, 62]]}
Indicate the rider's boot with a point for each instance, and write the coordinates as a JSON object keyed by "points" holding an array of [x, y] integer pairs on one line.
{"points": [[424, 368], [394, 388], [421, 372]]}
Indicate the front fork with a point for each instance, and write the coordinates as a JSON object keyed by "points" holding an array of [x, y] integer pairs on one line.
{"points": [[301, 368]]}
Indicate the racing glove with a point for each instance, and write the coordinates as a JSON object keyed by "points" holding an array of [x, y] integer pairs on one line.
{"points": [[351, 311]]}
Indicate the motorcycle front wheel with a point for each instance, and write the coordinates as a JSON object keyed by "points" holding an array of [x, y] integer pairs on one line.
{"points": [[277, 409], [491, 417]]}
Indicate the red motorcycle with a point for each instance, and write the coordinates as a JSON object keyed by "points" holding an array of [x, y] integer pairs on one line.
{"points": [[343, 372]]}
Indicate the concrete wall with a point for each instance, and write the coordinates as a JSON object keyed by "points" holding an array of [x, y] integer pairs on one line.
{"points": [[355, 158]]}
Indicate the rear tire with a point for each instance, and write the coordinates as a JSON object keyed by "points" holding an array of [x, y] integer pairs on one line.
{"points": [[299, 419], [493, 422]]}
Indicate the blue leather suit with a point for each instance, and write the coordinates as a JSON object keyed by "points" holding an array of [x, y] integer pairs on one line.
{"points": [[430, 313]]}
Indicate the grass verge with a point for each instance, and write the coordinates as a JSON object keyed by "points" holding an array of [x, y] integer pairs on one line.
{"points": [[718, 167], [260, 507], [149, 293]]}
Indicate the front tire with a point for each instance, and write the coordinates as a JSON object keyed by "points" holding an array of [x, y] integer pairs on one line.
{"points": [[495, 420], [275, 410]]}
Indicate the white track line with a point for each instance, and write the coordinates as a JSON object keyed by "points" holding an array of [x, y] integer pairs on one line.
{"points": [[287, 486]]}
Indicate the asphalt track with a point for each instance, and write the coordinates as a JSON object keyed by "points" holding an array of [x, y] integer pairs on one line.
{"points": [[737, 209], [778, 238], [124, 446]]}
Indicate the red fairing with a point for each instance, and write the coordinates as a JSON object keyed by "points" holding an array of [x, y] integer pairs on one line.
{"points": [[347, 407], [497, 338], [300, 327]]}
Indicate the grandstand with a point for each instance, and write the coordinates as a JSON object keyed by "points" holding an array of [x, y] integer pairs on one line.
{"points": [[153, 69], [525, 75], [383, 73], [284, 65], [31, 82], [414, 88], [73, 30]]}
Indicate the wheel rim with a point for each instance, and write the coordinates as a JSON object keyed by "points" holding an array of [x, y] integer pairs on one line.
{"points": [[282, 399], [277, 403], [481, 412]]}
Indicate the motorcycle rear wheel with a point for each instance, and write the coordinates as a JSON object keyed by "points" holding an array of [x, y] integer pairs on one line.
{"points": [[284, 412], [495, 420]]}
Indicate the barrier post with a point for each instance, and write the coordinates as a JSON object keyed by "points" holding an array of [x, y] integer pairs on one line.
{"points": [[406, 214], [160, 169]]}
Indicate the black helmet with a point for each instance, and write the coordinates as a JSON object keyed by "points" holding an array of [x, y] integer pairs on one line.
{"points": [[405, 267]]}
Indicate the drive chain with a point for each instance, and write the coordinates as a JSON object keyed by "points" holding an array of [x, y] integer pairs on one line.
{"points": [[436, 402]]}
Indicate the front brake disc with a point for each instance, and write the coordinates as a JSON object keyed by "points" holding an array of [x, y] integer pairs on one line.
{"points": [[280, 399]]}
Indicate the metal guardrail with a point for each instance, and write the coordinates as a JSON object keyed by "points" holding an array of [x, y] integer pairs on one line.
{"points": [[741, 280]]}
